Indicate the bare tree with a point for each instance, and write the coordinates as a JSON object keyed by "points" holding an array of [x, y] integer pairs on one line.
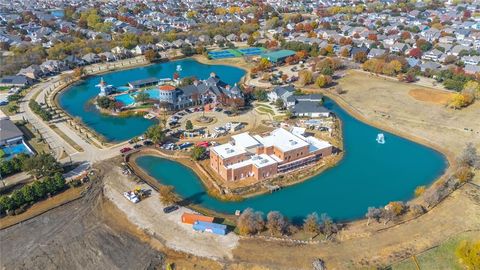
{"points": [[328, 226], [469, 156], [373, 213], [319, 264], [387, 215], [167, 195], [250, 222], [417, 209], [276, 223]]}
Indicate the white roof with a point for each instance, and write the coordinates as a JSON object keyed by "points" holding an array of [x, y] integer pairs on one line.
{"points": [[245, 140], [228, 150], [316, 144], [283, 140], [298, 130], [258, 161]]}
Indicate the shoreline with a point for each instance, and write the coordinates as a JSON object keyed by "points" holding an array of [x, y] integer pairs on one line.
{"points": [[54, 97], [449, 157]]}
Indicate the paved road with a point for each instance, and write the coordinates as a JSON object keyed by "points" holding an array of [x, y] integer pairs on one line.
{"points": [[58, 145]]}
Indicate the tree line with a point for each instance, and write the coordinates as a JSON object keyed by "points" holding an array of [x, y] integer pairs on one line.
{"points": [[29, 194], [252, 222], [38, 166], [37, 109]]}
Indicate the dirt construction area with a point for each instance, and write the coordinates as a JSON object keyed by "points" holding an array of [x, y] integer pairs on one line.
{"points": [[79, 235], [431, 95], [168, 228]]}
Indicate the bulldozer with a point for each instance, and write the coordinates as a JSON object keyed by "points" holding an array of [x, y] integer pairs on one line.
{"points": [[141, 193]]}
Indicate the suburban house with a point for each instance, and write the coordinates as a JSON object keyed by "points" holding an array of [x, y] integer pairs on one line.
{"points": [[433, 55], [16, 80], [33, 72], [300, 105], [282, 92], [376, 53], [309, 106], [9, 132], [264, 156], [91, 58]]}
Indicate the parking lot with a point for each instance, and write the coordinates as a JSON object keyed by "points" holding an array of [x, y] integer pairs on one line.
{"points": [[220, 118]]}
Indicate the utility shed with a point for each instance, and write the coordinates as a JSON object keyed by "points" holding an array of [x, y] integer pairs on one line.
{"points": [[192, 218], [215, 228]]}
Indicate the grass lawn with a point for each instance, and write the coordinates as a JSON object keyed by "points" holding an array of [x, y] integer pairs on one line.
{"points": [[31, 139], [265, 110], [440, 258], [66, 138], [234, 52], [4, 88]]}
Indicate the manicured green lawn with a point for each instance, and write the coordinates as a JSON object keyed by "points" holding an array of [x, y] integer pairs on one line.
{"points": [[4, 88], [440, 258]]}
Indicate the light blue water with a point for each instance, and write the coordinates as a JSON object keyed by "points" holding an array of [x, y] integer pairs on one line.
{"points": [[126, 99], [122, 88], [153, 93], [15, 149], [370, 174], [75, 100]]}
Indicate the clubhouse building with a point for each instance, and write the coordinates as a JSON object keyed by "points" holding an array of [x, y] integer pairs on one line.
{"points": [[261, 157], [211, 90]]}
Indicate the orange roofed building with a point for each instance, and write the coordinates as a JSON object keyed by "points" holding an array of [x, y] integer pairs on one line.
{"points": [[262, 157]]}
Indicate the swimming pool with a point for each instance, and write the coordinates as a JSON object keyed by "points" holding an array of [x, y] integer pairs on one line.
{"points": [[153, 93], [126, 99], [15, 149]]}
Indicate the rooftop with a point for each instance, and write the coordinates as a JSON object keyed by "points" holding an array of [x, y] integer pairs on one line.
{"points": [[245, 140], [228, 150], [277, 55]]}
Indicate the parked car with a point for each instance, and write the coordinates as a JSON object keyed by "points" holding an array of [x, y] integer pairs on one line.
{"points": [[170, 209], [147, 142], [218, 109], [124, 150], [136, 146], [227, 112]]}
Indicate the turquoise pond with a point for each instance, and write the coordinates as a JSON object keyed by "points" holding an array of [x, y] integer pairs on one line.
{"points": [[76, 100], [370, 174]]}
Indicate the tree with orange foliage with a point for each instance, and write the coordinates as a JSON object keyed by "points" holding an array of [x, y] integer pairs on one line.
{"points": [[308, 27], [360, 57], [405, 35], [299, 27], [302, 54], [372, 37]]}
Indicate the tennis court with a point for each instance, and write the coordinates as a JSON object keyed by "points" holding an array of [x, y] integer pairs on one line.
{"points": [[231, 53], [251, 51]]}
